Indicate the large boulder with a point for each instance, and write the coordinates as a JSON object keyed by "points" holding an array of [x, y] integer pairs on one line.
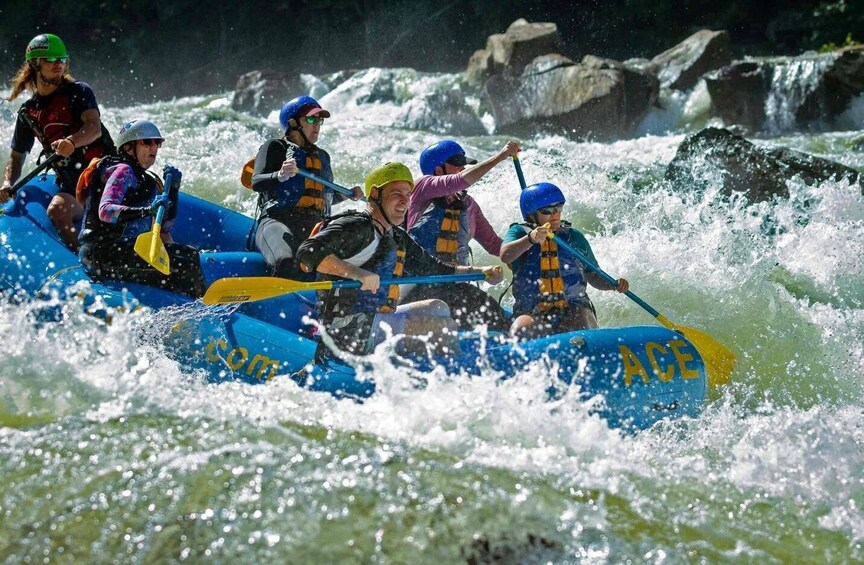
{"points": [[262, 91], [787, 94], [682, 66], [760, 173], [443, 112], [510, 52], [596, 98]]}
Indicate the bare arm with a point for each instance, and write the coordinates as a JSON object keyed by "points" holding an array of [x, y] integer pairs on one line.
{"points": [[90, 131], [493, 273], [11, 173], [332, 265], [476, 172], [512, 250]]}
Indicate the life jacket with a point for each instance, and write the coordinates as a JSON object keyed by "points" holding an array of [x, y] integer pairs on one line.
{"points": [[94, 229], [387, 261], [310, 196], [56, 121], [443, 231], [543, 280]]}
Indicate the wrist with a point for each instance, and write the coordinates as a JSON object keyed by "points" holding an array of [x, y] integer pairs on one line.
{"points": [[69, 139]]}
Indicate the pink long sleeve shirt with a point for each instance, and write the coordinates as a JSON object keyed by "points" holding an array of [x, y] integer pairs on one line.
{"points": [[429, 187]]}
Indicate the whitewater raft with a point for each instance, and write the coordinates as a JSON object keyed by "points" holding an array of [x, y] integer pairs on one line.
{"points": [[644, 374]]}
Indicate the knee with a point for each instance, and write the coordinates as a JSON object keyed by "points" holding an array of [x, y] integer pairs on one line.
{"points": [[57, 210], [522, 325], [438, 308]]}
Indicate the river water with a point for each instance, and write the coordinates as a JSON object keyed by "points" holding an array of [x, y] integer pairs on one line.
{"points": [[109, 452]]}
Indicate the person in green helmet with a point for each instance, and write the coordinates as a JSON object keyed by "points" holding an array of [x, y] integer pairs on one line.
{"points": [[371, 246], [62, 114]]}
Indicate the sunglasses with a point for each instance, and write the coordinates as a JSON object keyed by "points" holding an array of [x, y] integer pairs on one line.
{"points": [[56, 60], [149, 142], [311, 120], [549, 210]]}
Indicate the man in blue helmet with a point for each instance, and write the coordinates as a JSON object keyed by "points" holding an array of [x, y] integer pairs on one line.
{"points": [[443, 219], [549, 287], [291, 205]]}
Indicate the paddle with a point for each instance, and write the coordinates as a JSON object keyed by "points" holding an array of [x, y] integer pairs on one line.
{"points": [[249, 289], [719, 360], [32, 174], [149, 245], [325, 182]]}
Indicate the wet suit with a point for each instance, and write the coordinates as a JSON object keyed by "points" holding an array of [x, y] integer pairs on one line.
{"points": [[349, 313]]}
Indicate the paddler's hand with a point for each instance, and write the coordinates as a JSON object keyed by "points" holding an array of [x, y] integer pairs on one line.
{"points": [[5, 192], [623, 285], [288, 170], [509, 151], [358, 193], [368, 280], [63, 146], [539, 234], [493, 274]]}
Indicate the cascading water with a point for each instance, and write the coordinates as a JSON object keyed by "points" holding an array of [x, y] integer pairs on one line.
{"points": [[109, 451], [792, 83]]}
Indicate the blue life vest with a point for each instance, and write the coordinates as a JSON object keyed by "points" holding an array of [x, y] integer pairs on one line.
{"points": [[543, 279], [301, 193], [443, 231], [387, 262]]}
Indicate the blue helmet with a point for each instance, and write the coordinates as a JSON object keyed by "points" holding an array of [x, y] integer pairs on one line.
{"points": [[539, 196], [293, 108], [438, 153]]}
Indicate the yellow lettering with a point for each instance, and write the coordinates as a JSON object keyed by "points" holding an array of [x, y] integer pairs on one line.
{"points": [[261, 366], [632, 366], [266, 363], [233, 364], [212, 356], [664, 375], [682, 359]]}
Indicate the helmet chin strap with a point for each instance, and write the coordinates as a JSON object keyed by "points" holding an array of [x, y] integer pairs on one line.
{"points": [[379, 201], [297, 128]]}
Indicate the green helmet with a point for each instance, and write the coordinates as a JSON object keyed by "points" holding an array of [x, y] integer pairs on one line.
{"points": [[44, 46]]}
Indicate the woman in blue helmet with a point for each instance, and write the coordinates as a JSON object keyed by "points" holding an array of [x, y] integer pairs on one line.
{"points": [[549, 286], [291, 205]]}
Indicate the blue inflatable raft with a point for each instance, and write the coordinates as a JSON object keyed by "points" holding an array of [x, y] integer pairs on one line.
{"points": [[644, 374]]}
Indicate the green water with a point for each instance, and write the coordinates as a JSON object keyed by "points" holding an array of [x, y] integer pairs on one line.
{"points": [[109, 452]]}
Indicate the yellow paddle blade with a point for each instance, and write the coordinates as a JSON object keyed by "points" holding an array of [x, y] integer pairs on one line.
{"points": [[249, 289], [719, 360], [149, 247]]}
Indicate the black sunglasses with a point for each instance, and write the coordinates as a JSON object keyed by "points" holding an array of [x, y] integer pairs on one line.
{"points": [[549, 210]]}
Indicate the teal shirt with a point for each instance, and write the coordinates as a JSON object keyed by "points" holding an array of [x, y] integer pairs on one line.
{"points": [[526, 269]]}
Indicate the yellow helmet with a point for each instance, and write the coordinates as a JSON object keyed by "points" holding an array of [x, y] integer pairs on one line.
{"points": [[387, 173]]}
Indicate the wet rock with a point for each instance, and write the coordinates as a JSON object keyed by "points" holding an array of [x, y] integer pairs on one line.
{"points": [[760, 173], [596, 98], [682, 66], [261, 91], [510, 52], [787, 94], [333, 80], [445, 113]]}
